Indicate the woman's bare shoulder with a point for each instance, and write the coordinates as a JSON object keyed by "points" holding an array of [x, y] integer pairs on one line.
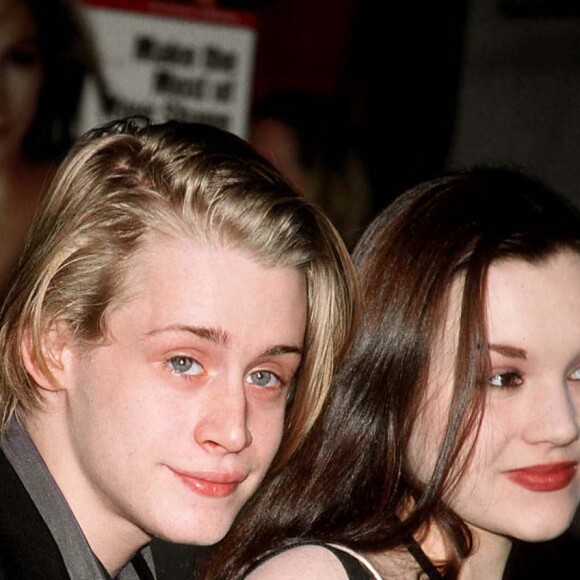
{"points": [[301, 563]]}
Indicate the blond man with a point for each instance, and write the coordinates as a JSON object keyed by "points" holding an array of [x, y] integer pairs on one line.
{"points": [[171, 330]]}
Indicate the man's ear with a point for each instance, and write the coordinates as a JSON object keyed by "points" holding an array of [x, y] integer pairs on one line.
{"points": [[48, 364]]}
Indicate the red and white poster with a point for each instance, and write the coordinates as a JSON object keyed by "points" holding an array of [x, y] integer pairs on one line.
{"points": [[167, 61]]}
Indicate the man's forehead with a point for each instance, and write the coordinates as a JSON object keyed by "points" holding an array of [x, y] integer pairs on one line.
{"points": [[177, 276]]}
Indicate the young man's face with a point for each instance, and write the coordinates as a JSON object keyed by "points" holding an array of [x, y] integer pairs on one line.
{"points": [[174, 421]]}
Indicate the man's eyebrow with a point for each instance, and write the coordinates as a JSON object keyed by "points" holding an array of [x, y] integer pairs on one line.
{"points": [[216, 335], [283, 349], [509, 351], [221, 337]]}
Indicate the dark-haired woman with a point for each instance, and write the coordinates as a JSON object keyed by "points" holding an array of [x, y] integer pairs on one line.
{"points": [[453, 427], [44, 57]]}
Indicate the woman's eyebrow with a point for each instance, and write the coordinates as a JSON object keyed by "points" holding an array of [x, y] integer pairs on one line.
{"points": [[509, 351]]}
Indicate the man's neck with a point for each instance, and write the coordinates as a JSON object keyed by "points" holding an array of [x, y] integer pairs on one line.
{"points": [[112, 538]]}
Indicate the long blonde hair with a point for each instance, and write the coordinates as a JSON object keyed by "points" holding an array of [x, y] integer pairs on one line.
{"points": [[120, 183]]}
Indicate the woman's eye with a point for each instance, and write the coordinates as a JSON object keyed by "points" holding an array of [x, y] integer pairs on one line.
{"points": [[506, 380], [574, 375], [23, 56], [264, 379], [185, 365]]}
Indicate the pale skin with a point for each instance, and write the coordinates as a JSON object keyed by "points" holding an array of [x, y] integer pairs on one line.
{"points": [[21, 79], [531, 419], [167, 428]]}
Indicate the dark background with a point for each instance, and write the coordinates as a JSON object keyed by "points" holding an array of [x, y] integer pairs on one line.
{"points": [[434, 86]]}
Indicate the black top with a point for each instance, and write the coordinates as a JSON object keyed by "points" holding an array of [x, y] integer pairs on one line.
{"points": [[558, 558], [23, 532], [39, 535]]}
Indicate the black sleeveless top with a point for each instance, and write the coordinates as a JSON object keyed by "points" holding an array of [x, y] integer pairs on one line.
{"points": [[354, 568]]}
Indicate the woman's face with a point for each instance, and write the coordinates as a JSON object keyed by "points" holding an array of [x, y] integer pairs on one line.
{"points": [[522, 480], [279, 143], [21, 75]]}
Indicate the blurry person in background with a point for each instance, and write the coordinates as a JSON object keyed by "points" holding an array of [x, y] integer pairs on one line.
{"points": [[307, 137], [45, 55]]}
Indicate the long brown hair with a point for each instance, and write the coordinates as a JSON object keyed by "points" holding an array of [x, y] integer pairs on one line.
{"points": [[69, 58], [349, 483]]}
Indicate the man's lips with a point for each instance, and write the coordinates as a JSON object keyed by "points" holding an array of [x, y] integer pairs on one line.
{"points": [[545, 477], [211, 483]]}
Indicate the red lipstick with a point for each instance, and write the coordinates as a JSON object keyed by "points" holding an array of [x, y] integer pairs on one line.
{"points": [[211, 484], [547, 477]]}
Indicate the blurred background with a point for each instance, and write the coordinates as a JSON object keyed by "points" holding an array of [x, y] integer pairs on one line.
{"points": [[354, 100]]}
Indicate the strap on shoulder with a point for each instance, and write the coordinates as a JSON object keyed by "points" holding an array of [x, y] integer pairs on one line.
{"points": [[353, 568]]}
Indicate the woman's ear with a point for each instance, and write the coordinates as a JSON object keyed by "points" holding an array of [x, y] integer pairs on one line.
{"points": [[48, 365]]}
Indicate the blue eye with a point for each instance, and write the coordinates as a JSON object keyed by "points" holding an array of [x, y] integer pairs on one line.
{"points": [[506, 380], [185, 365], [264, 379]]}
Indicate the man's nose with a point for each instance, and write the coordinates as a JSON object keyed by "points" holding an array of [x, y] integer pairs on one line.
{"points": [[223, 425]]}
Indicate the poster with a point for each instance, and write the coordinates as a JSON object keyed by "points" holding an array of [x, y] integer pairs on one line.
{"points": [[167, 61]]}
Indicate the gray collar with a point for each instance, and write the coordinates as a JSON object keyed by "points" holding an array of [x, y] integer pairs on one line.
{"points": [[78, 557]]}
